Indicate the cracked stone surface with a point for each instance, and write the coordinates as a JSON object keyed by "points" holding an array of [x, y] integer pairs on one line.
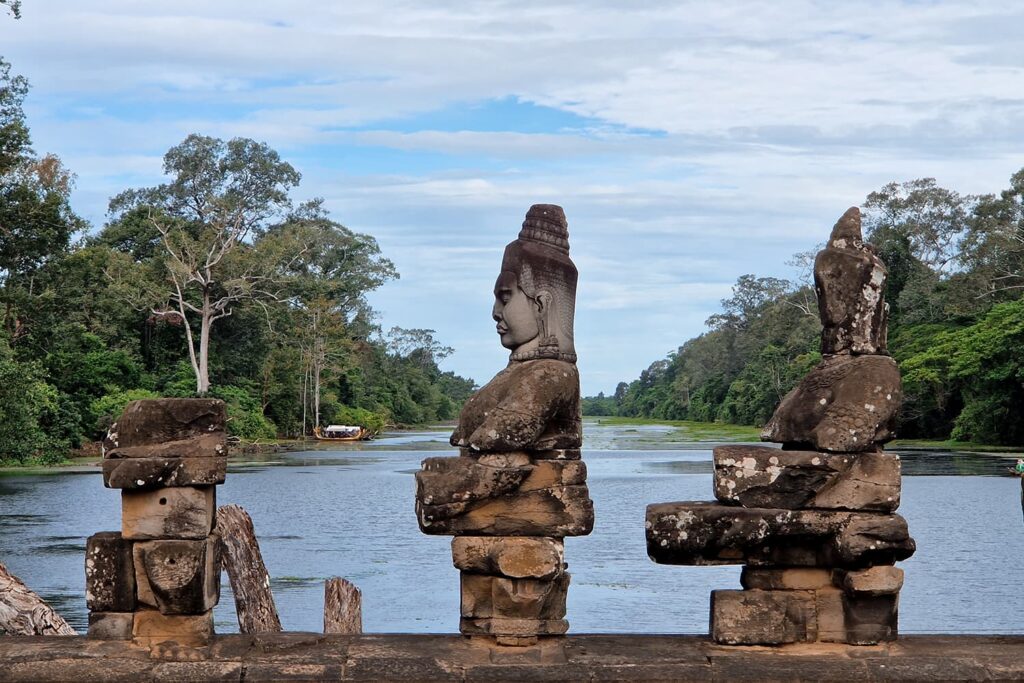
{"points": [[168, 427], [761, 476], [849, 279], [703, 533], [530, 405], [846, 404]]}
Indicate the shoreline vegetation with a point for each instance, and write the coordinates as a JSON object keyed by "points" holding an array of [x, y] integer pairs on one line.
{"points": [[956, 327], [218, 282]]}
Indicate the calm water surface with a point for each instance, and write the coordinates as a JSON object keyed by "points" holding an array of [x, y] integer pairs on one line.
{"points": [[350, 513]]}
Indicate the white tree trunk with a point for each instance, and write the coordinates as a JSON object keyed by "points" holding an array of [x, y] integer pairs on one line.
{"points": [[317, 368], [203, 377], [23, 613]]}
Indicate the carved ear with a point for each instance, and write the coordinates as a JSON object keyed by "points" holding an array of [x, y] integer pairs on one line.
{"points": [[543, 301]]}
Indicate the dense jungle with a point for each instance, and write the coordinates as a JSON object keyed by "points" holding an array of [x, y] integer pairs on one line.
{"points": [[214, 283], [956, 277]]}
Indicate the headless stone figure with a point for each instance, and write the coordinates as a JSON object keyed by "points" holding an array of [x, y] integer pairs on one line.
{"points": [[814, 522], [519, 486]]}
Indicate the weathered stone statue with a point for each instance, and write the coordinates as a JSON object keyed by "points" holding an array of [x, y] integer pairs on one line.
{"points": [[533, 403], [813, 522], [158, 579], [848, 403], [519, 486]]}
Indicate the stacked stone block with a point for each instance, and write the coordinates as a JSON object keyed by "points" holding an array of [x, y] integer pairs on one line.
{"points": [[158, 579], [814, 522], [509, 513]]}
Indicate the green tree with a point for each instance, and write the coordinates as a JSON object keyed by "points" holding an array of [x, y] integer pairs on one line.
{"points": [[212, 220], [29, 412], [36, 220]]}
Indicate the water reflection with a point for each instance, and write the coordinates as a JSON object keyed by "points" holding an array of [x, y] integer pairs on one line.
{"points": [[349, 512]]}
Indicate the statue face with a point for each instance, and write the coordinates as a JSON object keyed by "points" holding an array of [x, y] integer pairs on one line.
{"points": [[515, 313]]}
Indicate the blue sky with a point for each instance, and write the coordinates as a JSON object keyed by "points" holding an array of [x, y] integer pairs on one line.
{"points": [[689, 142]]}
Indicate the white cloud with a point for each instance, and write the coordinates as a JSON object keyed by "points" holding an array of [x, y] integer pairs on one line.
{"points": [[761, 123]]}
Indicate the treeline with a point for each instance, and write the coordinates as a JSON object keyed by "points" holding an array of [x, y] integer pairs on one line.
{"points": [[956, 278], [213, 283]]}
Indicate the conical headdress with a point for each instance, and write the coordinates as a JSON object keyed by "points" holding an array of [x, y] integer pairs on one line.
{"points": [[540, 260]]}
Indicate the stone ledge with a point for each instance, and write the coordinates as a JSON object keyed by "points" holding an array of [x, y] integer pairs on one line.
{"points": [[311, 657]]}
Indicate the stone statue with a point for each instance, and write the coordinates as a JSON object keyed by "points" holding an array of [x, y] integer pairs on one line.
{"points": [[519, 486], [534, 402], [850, 279], [850, 401], [814, 522]]}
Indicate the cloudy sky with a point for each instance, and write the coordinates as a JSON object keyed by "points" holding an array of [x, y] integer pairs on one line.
{"points": [[689, 142]]}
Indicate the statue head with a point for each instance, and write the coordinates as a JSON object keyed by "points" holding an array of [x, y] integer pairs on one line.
{"points": [[535, 293]]}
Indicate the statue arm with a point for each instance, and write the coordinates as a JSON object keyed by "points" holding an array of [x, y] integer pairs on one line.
{"points": [[521, 418]]}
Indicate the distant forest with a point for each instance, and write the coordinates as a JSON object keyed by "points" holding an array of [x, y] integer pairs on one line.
{"points": [[213, 283], [956, 280]]}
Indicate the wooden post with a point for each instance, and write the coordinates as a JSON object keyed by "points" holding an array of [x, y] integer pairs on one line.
{"points": [[343, 607], [250, 582], [23, 613]]}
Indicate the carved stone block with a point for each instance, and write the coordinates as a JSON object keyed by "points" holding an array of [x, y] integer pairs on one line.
{"points": [[153, 422], [500, 597], [514, 557], [558, 512], [142, 473], [830, 604], [185, 512], [178, 577], [532, 455], [873, 581], [846, 404], [789, 579], [710, 533], [467, 479], [464, 480], [760, 476], [758, 617], [513, 627], [857, 619], [849, 280], [150, 628], [212, 445], [111, 625], [871, 619], [109, 573]]}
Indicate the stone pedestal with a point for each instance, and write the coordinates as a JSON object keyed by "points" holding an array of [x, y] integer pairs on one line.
{"points": [[158, 579], [814, 521], [818, 565], [509, 513], [519, 487]]}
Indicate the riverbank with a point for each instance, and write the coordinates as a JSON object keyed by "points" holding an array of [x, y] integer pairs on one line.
{"points": [[721, 432], [316, 657], [685, 430]]}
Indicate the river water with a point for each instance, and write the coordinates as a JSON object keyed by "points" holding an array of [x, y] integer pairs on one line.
{"points": [[349, 512]]}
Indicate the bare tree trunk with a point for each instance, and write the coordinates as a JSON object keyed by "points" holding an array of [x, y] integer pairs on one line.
{"points": [[188, 336], [305, 376], [317, 366], [23, 613], [204, 346], [250, 582], [343, 607]]}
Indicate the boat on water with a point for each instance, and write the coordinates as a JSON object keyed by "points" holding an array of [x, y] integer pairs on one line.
{"points": [[342, 433]]}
